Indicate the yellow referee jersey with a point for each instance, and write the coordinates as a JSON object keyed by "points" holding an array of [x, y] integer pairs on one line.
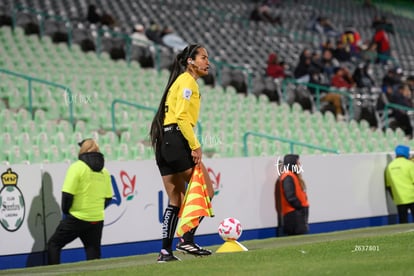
{"points": [[182, 107]]}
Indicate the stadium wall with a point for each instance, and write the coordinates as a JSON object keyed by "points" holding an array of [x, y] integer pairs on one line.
{"points": [[345, 191]]}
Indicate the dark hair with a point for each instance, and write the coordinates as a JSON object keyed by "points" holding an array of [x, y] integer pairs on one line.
{"points": [[178, 67]]}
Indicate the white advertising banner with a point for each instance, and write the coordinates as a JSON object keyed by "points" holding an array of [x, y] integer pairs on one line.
{"points": [[339, 187], [20, 187]]}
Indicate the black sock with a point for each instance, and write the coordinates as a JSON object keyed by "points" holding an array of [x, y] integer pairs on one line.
{"points": [[169, 225], [189, 236]]}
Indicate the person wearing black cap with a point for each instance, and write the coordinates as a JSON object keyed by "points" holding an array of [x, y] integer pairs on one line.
{"points": [[399, 182], [86, 192], [291, 198]]}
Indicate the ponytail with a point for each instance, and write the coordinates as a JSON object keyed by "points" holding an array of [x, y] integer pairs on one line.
{"points": [[179, 66]]}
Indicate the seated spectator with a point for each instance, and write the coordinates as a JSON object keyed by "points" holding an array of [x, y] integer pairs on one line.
{"points": [[392, 80], [341, 79], [262, 13], [323, 25], [108, 20], [327, 45], [362, 77], [143, 50], [352, 40], [172, 40], [341, 53], [275, 69], [302, 69], [410, 82], [154, 32], [93, 16], [138, 36], [329, 63], [403, 97]]}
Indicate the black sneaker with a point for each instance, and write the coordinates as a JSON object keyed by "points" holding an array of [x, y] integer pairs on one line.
{"points": [[193, 249], [166, 256]]}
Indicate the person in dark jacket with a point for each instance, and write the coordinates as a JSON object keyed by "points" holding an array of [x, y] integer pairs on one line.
{"points": [[86, 191], [291, 199]]}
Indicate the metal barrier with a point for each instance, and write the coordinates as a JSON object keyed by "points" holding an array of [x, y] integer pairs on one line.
{"points": [[29, 89], [318, 89], [284, 140], [389, 106], [42, 16], [219, 66]]}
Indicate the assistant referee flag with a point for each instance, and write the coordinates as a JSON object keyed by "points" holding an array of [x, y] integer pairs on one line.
{"points": [[196, 203]]}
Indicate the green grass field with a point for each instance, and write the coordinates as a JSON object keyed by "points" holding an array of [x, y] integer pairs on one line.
{"points": [[387, 250]]}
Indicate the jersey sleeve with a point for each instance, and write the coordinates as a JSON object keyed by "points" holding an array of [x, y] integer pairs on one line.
{"points": [[184, 119]]}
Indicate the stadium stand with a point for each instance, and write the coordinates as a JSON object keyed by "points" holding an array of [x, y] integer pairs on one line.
{"points": [[95, 81]]}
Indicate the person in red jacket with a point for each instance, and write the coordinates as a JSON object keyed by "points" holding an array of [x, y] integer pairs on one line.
{"points": [[381, 43], [291, 199], [275, 69]]}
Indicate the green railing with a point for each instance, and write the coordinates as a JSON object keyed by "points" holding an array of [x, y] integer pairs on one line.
{"points": [[42, 16], [318, 89], [143, 107], [219, 65], [389, 106], [30, 80], [126, 38], [291, 142]]}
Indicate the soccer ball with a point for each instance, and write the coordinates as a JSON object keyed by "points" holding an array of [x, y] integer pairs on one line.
{"points": [[230, 229]]}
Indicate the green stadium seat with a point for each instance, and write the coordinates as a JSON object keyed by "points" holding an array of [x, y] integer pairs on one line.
{"points": [[17, 156]]}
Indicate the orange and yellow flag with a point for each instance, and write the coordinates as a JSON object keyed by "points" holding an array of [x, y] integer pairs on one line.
{"points": [[196, 203]]}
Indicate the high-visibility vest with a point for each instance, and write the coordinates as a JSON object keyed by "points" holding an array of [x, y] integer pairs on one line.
{"points": [[300, 193]]}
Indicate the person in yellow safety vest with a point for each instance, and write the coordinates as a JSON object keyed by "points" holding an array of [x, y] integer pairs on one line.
{"points": [[291, 199], [399, 181]]}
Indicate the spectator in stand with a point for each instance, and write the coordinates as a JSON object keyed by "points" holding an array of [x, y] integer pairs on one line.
{"points": [[341, 52], [362, 76], [381, 43], [172, 40], [327, 45], [262, 12], [93, 16], [403, 97], [392, 80], [410, 82], [341, 79], [138, 36], [302, 69], [329, 63], [275, 69], [352, 40], [154, 32], [323, 25]]}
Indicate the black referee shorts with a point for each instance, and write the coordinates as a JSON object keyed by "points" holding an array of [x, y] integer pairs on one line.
{"points": [[174, 154]]}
